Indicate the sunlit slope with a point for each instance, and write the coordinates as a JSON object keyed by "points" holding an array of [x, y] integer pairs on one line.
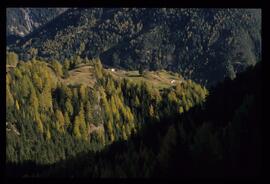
{"points": [[84, 74]]}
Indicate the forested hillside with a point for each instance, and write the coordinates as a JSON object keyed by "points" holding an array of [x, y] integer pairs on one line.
{"points": [[221, 137], [133, 92], [204, 45], [48, 120]]}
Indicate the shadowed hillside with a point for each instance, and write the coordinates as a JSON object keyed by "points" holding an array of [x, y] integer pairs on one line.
{"points": [[195, 144], [204, 45]]}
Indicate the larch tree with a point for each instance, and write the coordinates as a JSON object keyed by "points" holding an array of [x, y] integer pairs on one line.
{"points": [[39, 124], [12, 58], [67, 120], [37, 81], [9, 97], [69, 107], [57, 67], [60, 120], [76, 127], [98, 69]]}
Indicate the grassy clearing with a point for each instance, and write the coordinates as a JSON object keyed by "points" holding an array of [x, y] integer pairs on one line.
{"points": [[84, 74], [159, 79], [81, 75]]}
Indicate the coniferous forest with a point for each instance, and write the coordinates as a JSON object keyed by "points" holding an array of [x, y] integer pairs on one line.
{"points": [[133, 92]]}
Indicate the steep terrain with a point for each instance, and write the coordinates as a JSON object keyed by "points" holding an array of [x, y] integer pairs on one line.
{"points": [[22, 21], [221, 138], [205, 45], [133, 92], [53, 114]]}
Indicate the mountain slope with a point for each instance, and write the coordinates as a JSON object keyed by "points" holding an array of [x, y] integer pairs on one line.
{"points": [[191, 145], [205, 45], [52, 117], [22, 21]]}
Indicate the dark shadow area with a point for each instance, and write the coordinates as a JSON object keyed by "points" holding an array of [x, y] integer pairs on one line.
{"points": [[11, 39], [219, 139]]}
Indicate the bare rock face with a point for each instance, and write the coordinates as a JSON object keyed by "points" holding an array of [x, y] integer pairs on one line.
{"points": [[22, 21]]}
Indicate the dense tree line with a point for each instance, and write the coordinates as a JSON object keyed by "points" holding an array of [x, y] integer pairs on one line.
{"points": [[48, 121], [192, 144], [125, 129]]}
